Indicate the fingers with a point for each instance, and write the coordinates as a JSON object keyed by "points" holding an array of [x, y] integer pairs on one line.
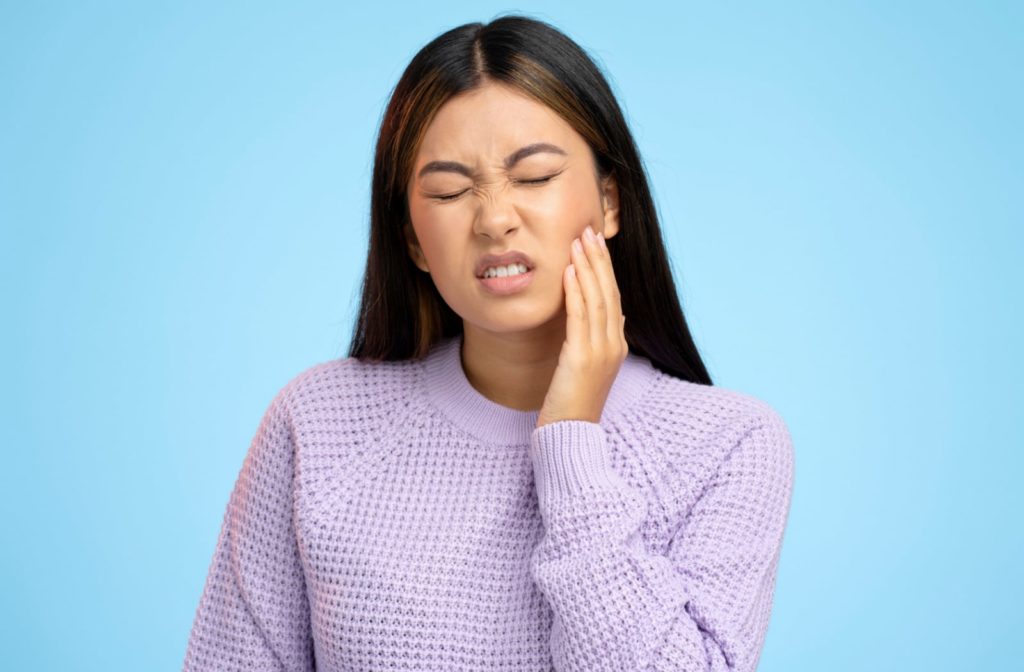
{"points": [[593, 294], [598, 293], [576, 331], [609, 287]]}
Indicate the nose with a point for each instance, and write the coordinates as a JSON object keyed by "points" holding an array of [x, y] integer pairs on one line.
{"points": [[496, 217]]}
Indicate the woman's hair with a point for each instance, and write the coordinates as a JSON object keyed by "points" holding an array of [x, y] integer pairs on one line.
{"points": [[402, 315]]}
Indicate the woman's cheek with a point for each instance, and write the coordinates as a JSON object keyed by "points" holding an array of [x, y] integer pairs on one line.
{"points": [[551, 216]]}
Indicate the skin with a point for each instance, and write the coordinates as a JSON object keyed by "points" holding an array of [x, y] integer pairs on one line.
{"points": [[556, 346]]}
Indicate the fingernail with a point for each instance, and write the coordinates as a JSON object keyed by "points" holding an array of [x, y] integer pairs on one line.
{"points": [[589, 233], [600, 240], [579, 246]]}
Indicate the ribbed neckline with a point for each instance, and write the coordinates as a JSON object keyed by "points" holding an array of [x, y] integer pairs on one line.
{"points": [[448, 388]]}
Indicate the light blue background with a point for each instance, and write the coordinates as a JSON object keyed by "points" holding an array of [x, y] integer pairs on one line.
{"points": [[184, 192]]}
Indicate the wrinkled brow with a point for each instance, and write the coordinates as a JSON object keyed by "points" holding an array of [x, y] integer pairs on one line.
{"points": [[510, 160]]}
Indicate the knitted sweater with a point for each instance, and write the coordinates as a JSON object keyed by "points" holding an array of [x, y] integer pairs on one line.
{"points": [[389, 516]]}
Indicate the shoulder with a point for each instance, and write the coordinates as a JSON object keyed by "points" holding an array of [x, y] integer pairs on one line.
{"points": [[705, 407], [346, 390], [692, 419]]}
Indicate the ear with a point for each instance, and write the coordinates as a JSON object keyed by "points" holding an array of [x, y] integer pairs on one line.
{"points": [[415, 251], [610, 204]]}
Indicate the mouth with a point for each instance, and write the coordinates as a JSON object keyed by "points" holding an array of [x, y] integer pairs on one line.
{"points": [[509, 284], [510, 258]]}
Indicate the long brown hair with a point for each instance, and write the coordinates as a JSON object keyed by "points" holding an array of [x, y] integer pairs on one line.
{"points": [[401, 314]]}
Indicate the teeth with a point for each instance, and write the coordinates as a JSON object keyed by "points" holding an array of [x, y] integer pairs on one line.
{"points": [[505, 271]]}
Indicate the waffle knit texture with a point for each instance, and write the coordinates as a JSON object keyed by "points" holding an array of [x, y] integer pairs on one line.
{"points": [[388, 516]]}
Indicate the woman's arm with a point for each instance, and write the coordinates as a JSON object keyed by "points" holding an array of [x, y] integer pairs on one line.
{"points": [[254, 613], [703, 606]]}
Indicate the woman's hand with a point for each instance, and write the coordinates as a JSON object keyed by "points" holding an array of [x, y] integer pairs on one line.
{"points": [[595, 340]]}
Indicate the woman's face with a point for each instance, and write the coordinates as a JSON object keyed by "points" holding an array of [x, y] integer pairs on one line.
{"points": [[489, 208]]}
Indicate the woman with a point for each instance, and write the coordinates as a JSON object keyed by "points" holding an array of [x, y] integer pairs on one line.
{"points": [[505, 473]]}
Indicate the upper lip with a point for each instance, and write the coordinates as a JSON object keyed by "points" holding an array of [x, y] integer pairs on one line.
{"points": [[510, 257]]}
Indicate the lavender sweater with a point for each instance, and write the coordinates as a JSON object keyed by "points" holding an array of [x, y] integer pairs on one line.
{"points": [[388, 516]]}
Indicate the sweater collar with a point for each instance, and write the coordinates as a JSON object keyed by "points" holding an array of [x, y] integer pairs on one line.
{"points": [[448, 388]]}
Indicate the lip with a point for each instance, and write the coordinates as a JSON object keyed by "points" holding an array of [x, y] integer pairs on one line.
{"points": [[507, 285], [504, 259]]}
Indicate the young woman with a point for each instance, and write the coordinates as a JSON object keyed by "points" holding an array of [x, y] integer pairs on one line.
{"points": [[522, 464]]}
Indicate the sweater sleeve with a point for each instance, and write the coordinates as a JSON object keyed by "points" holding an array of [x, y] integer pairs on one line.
{"points": [[705, 604], [254, 613]]}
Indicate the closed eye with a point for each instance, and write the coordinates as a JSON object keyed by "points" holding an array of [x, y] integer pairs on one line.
{"points": [[450, 197], [539, 180]]}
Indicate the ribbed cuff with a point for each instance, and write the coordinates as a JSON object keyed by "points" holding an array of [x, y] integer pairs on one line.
{"points": [[570, 458]]}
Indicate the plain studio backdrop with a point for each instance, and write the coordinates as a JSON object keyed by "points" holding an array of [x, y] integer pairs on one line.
{"points": [[184, 195]]}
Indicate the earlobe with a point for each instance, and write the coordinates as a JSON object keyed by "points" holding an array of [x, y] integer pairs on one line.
{"points": [[415, 252], [610, 200], [420, 261]]}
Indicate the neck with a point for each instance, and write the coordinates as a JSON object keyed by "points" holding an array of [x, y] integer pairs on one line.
{"points": [[446, 385], [512, 369]]}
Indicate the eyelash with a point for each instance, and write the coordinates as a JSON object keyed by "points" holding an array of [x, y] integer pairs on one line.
{"points": [[539, 180]]}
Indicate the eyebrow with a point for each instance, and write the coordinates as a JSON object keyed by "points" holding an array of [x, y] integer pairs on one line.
{"points": [[510, 160]]}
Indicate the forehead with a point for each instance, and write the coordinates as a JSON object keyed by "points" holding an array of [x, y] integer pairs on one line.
{"points": [[487, 123]]}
